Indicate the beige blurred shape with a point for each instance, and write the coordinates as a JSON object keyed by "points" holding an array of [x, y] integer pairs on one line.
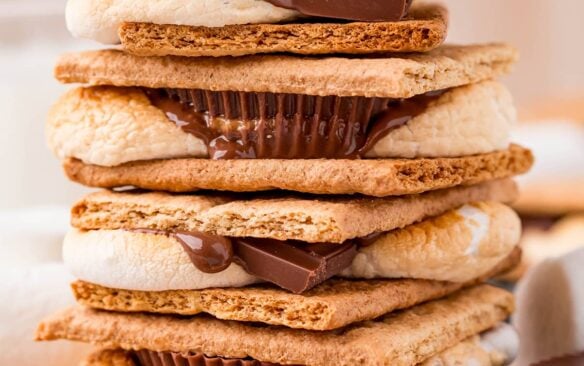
{"points": [[550, 314]]}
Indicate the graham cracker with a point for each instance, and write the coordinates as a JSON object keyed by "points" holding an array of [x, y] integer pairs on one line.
{"points": [[393, 76], [422, 30], [460, 354], [378, 177], [332, 305], [284, 217], [403, 338]]}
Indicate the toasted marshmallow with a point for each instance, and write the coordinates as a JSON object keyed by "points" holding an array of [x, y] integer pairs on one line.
{"points": [[459, 246], [99, 20], [145, 262], [473, 119], [112, 126]]}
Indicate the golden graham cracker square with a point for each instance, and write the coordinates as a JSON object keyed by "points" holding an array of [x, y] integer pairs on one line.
{"points": [[422, 30]]}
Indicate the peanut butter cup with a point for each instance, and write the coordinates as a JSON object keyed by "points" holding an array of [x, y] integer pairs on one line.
{"points": [[152, 358], [239, 125]]}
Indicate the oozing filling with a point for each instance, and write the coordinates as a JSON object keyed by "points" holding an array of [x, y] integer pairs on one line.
{"points": [[293, 265], [375, 10], [239, 125]]}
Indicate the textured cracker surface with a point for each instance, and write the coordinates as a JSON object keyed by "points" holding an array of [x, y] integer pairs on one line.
{"points": [[334, 304], [460, 354], [424, 29], [310, 219], [394, 76], [378, 178], [403, 338]]}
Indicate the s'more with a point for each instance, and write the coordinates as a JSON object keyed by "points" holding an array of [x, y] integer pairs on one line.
{"points": [[286, 183]]}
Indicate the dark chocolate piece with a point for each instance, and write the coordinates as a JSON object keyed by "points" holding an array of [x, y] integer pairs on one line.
{"points": [[368, 10], [151, 358], [238, 125], [292, 265]]}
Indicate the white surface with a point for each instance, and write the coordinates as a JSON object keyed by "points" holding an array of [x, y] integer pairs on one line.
{"points": [[30, 293], [558, 147], [550, 314], [32, 236], [29, 46], [33, 284], [99, 20]]}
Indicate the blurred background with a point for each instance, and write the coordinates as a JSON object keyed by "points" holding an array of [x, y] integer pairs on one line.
{"points": [[548, 85]]}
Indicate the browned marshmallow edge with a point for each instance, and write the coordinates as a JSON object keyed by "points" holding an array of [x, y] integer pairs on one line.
{"points": [[422, 30], [378, 178], [288, 217], [391, 77], [333, 304], [402, 338]]}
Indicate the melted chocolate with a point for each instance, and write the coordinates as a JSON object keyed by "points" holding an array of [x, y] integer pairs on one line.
{"points": [[238, 125], [209, 253], [293, 265], [369, 10]]}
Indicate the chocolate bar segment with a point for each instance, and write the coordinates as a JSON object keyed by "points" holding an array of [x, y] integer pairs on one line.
{"points": [[240, 125], [369, 10], [292, 265], [151, 358]]}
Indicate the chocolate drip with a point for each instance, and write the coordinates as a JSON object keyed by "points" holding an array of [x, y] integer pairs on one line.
{"points": [[370, 10], [398, 113], [209, 253], [152, 358], [238, 125], [293, 265]]}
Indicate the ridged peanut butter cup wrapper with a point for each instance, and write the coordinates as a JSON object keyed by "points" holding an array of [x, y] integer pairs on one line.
{"points": [[151, 358], [276, 126]]}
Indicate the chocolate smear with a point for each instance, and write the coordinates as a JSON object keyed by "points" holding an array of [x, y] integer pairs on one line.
{"points": [[368, 10]]}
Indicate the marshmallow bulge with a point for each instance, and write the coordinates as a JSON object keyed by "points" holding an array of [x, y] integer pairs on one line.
{"points": [[113, 126], [99, 20]]}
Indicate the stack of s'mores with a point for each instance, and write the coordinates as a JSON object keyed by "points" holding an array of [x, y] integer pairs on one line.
{"points": [[287, 183]]}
